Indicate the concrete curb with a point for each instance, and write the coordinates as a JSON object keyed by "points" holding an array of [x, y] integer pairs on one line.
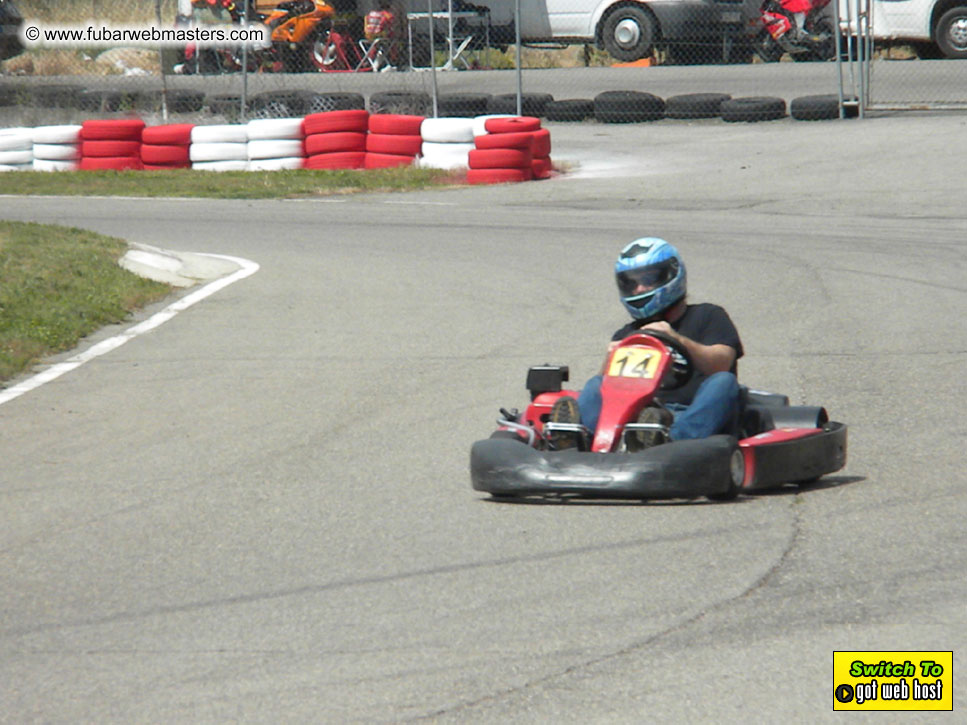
{"points": [[180, 269]]}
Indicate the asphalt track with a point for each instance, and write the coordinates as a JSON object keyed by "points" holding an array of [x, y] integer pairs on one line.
{"points": [[261, 512]]}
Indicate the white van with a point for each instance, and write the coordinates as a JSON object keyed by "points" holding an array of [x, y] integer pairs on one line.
{"points": [[938, 28], [627, 29]]}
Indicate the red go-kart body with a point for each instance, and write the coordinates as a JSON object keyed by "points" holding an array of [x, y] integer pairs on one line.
{"points": [[773, 443]]}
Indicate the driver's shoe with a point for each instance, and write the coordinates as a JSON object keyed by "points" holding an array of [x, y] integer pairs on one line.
{"points": [[639, 440], [564, 410]]}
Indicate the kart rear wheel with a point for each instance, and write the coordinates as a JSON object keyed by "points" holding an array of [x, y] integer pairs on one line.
{"points": [[736, 477]]}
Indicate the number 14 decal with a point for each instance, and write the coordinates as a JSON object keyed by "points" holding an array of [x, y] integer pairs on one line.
{"points": [[634, 362]]}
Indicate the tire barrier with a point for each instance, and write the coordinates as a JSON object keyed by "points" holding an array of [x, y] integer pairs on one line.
{"points": [[16, 149], [821, 107], [56, 148], [695, 105], [511, 149], [166, 146], [571, 109], [336, 139], [492, 148], [393, 140], [752, 109], [628, 107], [221, 147], [111, 144], [275, 144]]}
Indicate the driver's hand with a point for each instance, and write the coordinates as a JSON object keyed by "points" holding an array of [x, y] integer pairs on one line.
{"points": [[660, 326]]}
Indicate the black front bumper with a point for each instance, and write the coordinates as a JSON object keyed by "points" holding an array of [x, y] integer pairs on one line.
{"points": [[682, 469]]}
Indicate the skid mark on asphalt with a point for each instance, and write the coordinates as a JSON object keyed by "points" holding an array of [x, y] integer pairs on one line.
{"points": [[246, 269]]}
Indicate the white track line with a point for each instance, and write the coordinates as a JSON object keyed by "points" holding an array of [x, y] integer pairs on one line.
{"points": [[246, 269]]}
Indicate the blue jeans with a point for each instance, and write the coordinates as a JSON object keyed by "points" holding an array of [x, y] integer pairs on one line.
{"points": [[714, 408]]}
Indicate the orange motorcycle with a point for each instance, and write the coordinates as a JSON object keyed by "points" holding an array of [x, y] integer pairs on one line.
{"points": [[296, 25]]}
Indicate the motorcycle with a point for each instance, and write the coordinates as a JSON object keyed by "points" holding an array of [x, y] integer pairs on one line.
{"points": [[814, 40], [295, 28]]}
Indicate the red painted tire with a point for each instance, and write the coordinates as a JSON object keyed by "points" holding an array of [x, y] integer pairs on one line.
{"points": [[497, 176], [396, 124], [385, 161], [325, 143], [338, 160], [385, 143], [542, 167], [123, 129], [165, 167], [115, 163], [500, 159], [512, 124], [332, 121], [542, 143], [110, 148], [505, 141], [164, 154], [173, 133]]}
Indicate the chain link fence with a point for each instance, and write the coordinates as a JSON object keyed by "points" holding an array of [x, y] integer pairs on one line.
{"points": [[452, 57]]}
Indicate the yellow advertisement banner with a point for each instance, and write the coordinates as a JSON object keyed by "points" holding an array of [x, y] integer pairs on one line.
{"points": [[893, 680]]}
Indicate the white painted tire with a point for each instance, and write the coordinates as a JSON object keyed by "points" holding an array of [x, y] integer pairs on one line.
{"points": [[54, 165], [447, 130], [276, 148], [220, 165], [218, 152], [16, 139], [292, 162], [56, 151], [17, 167], [20, 156], [445, 155], [70, 134], [220, 133], [275, 128], [480, 121]]}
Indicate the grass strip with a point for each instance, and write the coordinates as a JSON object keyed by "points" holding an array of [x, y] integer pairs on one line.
{"points": [[58, 284], [301, 183]]}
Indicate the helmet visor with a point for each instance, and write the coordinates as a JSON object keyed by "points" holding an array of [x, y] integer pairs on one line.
{"points": [[646, 279]]}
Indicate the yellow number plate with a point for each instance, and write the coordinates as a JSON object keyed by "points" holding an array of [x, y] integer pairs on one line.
{"points": [[634, 362]]}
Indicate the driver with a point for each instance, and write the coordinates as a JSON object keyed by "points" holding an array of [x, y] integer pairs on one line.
{"points": [[651, 282]]}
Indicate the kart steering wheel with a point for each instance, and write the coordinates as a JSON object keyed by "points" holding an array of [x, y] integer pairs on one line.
{"points": [[682, 368]]}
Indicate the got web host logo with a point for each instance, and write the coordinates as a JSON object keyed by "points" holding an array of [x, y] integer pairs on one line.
{"points": [[893, 680]]}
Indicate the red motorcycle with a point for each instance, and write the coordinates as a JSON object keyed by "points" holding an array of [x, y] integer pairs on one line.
{"points": [[801, 28]]}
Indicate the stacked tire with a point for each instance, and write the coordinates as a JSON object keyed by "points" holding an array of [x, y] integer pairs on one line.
{"points": [[511, 149], [336, 139], [393, 140], [447, 143], [166, 147], [111, 144], [220, 147], [276, 143], [56, 148], [16, 149]]}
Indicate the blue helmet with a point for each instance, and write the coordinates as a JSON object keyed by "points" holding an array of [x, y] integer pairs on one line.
{"points": [[651, 277]]}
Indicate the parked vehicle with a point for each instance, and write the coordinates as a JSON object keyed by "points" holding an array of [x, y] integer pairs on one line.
{"points": [[10, 22], [937, 28], [801, 28], [628, 30]]}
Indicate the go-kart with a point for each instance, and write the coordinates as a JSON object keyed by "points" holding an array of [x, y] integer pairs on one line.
{"points": [[772, 442]]}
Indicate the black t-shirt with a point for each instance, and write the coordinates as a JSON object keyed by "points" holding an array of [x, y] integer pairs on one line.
{"points": [[705, 323]]}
